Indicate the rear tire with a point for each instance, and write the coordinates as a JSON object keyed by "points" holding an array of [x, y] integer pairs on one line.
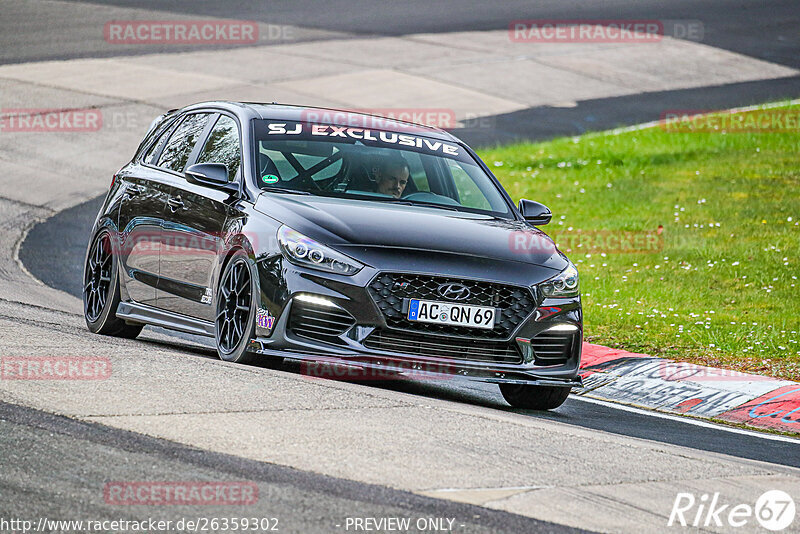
{"points": [[235, 319], [101, 294], [534, 397]]}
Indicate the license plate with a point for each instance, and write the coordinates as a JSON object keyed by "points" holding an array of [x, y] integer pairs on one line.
{"points": [[431, 311]]}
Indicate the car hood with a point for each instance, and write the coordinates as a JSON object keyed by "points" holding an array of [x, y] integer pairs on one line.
{"points": [[349, 225]]}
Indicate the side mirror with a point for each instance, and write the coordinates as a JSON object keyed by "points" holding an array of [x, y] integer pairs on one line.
{"points": [[534, 212], [214, 175]]}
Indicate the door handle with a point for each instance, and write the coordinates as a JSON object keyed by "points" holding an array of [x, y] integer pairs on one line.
{"points": [[175, 203], [133, 190]]}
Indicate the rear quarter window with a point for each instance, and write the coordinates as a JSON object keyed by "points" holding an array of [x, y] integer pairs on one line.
{"points": [[156, 129], [150, 151], [180, 144]]}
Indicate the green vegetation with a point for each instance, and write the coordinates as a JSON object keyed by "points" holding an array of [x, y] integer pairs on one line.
{"points": [[713, 278]]}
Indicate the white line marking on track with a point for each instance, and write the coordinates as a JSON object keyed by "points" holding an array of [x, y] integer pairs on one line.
{"points": [[687, 420]]}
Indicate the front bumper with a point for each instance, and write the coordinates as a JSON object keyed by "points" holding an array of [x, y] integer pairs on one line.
{"points": [[326, 339]]}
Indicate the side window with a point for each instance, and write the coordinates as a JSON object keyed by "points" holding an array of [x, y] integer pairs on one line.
{"points": [[468, 190], [222, 146], [182, 141]]}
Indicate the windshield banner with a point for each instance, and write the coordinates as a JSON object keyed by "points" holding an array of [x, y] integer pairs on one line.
{"points": [[367, 136]]}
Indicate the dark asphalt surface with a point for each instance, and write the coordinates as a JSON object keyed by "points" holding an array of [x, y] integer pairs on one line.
{"points": [[766, 30], [61, 241], [546, 122], [57, 468]]}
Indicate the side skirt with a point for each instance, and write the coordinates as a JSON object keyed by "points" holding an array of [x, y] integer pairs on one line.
{"points": [[142, 314]]}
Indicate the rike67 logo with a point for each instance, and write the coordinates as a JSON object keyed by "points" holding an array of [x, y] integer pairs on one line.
{"points": [[774, 510]]}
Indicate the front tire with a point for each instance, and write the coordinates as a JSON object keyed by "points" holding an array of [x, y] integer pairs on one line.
{"points": [[534, 397], [236, 312], [101, 294]]}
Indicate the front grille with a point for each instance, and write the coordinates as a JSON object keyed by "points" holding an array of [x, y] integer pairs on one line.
{"points": [[320, 323], [553, 348], [444, 347], [391, 292]]}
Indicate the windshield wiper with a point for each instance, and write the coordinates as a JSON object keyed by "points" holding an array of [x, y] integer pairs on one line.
{"points": [[421, 203], [286, 190]]}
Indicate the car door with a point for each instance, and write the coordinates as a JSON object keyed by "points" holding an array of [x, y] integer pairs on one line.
{"points": [[140, 222], [195, 223]]}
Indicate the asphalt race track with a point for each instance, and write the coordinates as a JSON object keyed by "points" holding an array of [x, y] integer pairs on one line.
{"points": [[764, 30], [323, 451], [39, 444], [67, 233]]}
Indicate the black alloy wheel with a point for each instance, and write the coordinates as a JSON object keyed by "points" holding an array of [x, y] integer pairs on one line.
{"points": [[101, 292], [235, 318]]}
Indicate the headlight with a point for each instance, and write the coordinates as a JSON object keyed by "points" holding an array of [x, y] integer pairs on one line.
{"points": [[566, 284], [304, 251]]}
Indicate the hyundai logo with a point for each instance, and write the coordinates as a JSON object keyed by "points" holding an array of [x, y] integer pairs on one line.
{"points": [[453, 291]]}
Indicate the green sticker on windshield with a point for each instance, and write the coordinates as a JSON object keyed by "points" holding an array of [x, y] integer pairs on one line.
{"points": [[270, 179]]}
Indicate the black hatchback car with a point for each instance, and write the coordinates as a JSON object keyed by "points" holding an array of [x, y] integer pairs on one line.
{"points": [[322, 235]]}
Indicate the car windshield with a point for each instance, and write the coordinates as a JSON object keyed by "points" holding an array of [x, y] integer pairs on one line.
{"points": [[372, 165]]}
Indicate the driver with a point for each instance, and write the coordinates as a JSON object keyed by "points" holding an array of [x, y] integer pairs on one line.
{"points": [[392, 176]]}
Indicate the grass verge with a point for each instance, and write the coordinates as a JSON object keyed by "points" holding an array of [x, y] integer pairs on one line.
{"points": [[687, 237]]}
